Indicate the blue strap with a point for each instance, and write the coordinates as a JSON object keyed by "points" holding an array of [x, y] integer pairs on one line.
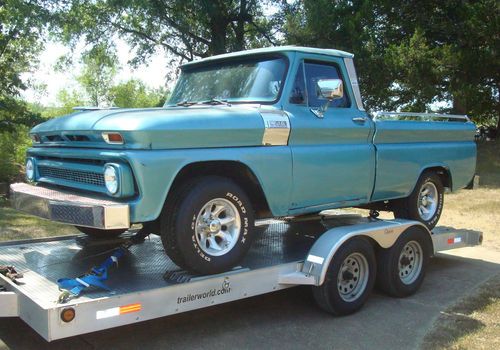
{"points": [[95, 278]]}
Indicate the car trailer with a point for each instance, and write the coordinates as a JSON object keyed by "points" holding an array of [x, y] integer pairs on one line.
{"points": [[339, 255]]}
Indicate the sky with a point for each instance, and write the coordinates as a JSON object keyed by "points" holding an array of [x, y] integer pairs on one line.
{"points": [[152, 73]]}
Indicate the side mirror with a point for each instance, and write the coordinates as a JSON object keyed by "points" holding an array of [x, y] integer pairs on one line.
{"points": [[331, 89]]}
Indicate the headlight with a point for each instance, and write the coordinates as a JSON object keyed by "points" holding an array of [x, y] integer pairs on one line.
{"points": [[111, 178], [30, 169]]}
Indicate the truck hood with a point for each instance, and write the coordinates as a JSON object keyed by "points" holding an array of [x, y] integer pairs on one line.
{"points": [[158, 128]]}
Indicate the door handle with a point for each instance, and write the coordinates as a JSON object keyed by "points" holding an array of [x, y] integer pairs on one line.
{"points": [[360, 120]]}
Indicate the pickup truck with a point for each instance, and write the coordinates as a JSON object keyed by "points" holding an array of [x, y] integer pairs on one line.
{"points": [[263, 133]]}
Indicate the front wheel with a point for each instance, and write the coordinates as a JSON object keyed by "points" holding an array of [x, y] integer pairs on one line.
{"points": [[349, 278], [207, 226], [425, 203]]}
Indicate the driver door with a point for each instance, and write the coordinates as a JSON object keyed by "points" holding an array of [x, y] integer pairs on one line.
{"points": [[333, 156]]}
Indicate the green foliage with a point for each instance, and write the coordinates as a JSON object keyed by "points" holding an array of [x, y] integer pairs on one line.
{"points": [[411, 54], [22, 26], [67, 99], [134, 94], [13, 145], [99, 69], [185, 28]]}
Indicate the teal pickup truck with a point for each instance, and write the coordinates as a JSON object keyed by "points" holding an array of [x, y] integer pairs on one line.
{"points": [[256, 134]]}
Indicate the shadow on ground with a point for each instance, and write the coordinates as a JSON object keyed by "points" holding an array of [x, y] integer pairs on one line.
{"points": [[287, 319]]}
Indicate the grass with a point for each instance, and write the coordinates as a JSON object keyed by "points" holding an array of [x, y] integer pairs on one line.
{"points": [[16, 225], [472, 323]]}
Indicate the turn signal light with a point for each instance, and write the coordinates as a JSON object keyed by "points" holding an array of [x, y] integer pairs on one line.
{"points": [[113, 138]]}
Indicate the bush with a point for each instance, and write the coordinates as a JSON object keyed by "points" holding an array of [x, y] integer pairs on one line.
{"points": [[13, 146]]}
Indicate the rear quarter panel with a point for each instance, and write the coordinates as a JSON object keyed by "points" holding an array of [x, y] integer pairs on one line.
{"points": [[407, 148]]}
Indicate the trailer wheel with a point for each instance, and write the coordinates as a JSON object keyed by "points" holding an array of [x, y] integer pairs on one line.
{"points": [[98, 233], [349, 278], [207, 225], [425, 203], [401, 268]]}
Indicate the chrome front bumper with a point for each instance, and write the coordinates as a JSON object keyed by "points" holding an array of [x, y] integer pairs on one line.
{"points": [[69, 208]]}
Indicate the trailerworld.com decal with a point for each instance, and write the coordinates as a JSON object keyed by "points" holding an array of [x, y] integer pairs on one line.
{"points": [[225, 289]]}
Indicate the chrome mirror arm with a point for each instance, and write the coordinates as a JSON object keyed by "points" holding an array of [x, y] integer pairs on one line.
{"points": [[320, 112]]}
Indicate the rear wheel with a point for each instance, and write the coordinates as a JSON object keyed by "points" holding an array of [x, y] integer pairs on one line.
{"points": [[207, 225], [425, 203], [401, 268], [98, 233], [349, 278]]}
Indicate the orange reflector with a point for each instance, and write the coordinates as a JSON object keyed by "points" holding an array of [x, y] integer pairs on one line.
{"points": [[68, 314], [130, 308], [112, 137], [450, 241]]}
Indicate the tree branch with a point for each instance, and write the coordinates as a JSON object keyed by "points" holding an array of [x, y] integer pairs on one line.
{"points": [[179, 27], [150, 38], [263, 33]]}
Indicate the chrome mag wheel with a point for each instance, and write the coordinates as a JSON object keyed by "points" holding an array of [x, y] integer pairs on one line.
{"points": [[427, 201], [218, 227]]}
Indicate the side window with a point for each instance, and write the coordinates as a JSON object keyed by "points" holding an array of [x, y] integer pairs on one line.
{"points": [[298, 94], [315, 72]]}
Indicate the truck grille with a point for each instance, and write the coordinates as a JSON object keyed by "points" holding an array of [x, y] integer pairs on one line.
{"points": [[85, 177]]}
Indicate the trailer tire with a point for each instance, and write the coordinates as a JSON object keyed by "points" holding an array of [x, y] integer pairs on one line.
{"points": [[196, 227], [99, 233], [349, 279], [401, 268], [425, 203]]}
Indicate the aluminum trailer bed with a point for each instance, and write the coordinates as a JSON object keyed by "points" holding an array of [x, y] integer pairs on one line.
{"points": [[147, 285]]}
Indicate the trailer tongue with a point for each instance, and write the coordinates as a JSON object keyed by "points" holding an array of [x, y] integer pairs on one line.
{"points": [[148, 285]]}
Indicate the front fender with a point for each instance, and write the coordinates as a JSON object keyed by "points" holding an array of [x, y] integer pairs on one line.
{"points": [[155, 172]]}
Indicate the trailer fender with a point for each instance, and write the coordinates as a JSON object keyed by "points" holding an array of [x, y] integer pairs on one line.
{"points": [[314, 269]]}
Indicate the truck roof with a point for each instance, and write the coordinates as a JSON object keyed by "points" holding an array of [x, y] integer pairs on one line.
{"points": [[275, 49]]}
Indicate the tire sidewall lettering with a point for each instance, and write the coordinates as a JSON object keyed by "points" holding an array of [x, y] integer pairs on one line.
{"points": [[244, 231]]}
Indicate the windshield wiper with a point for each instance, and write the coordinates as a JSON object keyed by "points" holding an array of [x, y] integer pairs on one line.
{"points": [[185, 103], [215, 101]]}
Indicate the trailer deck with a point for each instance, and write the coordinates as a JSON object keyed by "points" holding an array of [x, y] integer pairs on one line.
{"points": [[147, 284]]}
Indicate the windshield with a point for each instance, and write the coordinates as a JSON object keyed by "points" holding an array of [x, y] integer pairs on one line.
{"points": [[257, 80]]}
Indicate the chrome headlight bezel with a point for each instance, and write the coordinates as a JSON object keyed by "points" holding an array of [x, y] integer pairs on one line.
{"points": [[30, 169], [111, 179]]}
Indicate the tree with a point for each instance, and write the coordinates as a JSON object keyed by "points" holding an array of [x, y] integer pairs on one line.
{"points": [[66, 101], [411, 54], [186, 28], [22, 26], [99, 70], [134, 94]]}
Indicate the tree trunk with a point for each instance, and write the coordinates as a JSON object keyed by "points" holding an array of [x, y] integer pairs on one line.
{"points": [[240, 26], [459, 104], [218, 29]]}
